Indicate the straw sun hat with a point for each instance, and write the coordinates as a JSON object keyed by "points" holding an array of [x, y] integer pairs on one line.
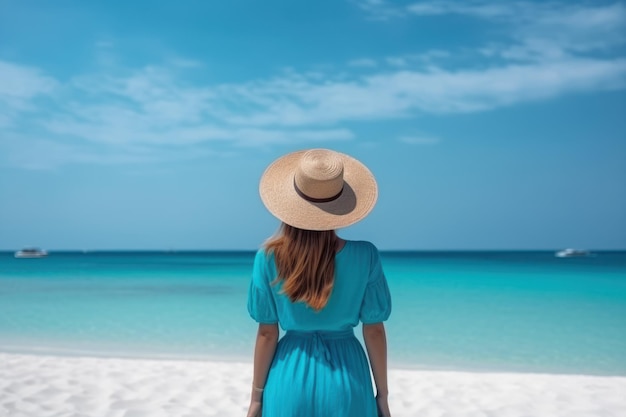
{"points": [[318, 189]]}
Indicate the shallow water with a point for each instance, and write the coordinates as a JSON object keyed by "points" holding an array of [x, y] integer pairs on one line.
{"points": [[510, 311]]}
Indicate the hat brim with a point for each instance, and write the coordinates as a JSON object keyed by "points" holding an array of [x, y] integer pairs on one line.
{"points": [[279, 195]]}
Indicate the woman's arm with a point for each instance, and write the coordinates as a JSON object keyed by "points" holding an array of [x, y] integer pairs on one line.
{"points": [[376, 344], [266, 340]]}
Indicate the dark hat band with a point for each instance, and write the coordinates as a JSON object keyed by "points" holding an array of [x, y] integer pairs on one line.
{"points": [[316, 200]]}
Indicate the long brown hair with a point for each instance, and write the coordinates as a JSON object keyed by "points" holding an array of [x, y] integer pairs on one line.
{"points": [[305, 260]]}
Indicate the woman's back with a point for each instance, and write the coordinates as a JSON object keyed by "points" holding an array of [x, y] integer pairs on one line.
{"points": [[359, 293], [319, 365]]}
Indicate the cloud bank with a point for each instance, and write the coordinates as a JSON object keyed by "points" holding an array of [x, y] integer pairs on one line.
{"points": [[134, 115]]}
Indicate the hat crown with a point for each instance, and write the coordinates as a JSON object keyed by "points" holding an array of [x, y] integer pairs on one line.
{"points": [[319, 174]]}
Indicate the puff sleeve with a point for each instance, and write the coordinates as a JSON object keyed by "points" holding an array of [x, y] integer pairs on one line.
{"points": [[261, 304], [376, 305]]}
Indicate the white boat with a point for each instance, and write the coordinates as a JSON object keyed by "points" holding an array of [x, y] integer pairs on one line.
{"points": [[571, 253], [31, 253]]}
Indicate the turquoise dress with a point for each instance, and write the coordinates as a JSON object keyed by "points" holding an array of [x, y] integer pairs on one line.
{"points": [[320, 368]]}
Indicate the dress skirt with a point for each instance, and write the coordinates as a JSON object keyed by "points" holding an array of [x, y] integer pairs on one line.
{"points": [[319, 374]]}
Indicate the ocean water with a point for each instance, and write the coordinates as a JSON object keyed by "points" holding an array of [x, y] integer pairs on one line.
{"points": [[479, 311]]}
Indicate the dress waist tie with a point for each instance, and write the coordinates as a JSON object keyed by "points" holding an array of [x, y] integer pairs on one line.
{"points": [[320, 348]]}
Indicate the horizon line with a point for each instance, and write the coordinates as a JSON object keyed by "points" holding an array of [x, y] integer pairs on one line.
{"points": [[255, 249]]}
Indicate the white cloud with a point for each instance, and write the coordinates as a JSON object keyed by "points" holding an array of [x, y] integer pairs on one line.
{"points": [[379, 9], [23, 82], [385, 95], [560, 13], [541, 30], [428, 59], [121, 115], [396, 61], [19, 86], [472, 8], [574, 29], [140, 116], [153, 108], [531, 31]]}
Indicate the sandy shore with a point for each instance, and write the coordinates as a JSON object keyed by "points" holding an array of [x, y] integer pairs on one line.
{"points": [[51, 386]]}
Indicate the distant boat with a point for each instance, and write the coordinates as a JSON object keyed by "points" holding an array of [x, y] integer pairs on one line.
{"points": [[31, 253], [572, 253]]}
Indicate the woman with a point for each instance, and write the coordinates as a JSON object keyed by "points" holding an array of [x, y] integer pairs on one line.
{"points": [[318, 287]]}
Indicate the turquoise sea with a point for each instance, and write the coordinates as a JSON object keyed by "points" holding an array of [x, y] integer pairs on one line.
{"points": [[502, 311]]}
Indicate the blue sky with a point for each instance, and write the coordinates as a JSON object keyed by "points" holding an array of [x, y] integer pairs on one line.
{"points": [[147, 124]]}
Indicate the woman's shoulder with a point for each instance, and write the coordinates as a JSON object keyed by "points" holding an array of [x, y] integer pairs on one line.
{"points": [[362, 246], [263, 256]]}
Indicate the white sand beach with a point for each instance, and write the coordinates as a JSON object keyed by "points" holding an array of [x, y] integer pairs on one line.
{"points": [[63, 386]]}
